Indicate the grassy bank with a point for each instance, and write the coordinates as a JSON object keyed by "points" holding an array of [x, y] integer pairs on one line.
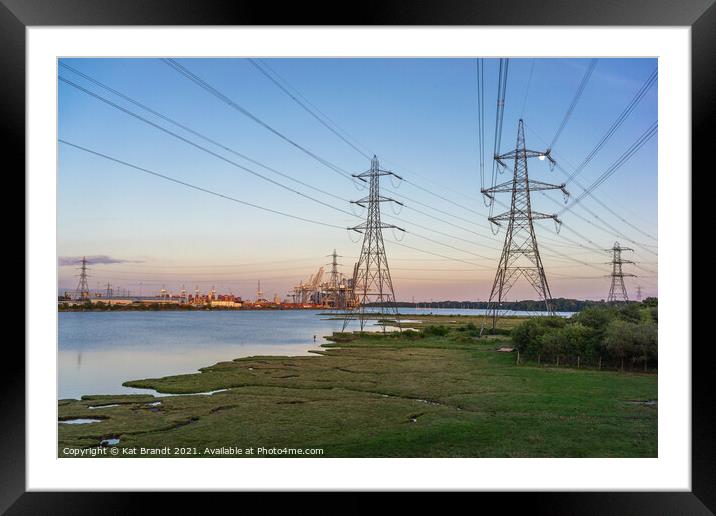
{"points": [[409, 395]]}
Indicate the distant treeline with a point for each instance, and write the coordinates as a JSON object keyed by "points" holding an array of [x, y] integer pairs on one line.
{"points": [[560, 304], [600, 336], [135, 307]]}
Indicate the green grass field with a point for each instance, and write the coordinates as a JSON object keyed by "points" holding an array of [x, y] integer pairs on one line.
{"points": [[385, 396]]}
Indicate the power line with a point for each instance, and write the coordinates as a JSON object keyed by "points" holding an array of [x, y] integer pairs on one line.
{"points": [[499, 116], [164, 117], [575, 100], [633, 149], [650, 81], [597, 200], [480, 70], [194, 132], [195, 187], [239, 201], [527, 90], [216, 93], [327, 118], [307, 109], [201, 147], [609, 229], [338, 131]]}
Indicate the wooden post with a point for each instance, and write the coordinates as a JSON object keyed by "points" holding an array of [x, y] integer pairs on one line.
{"points": [[538, 359], [518, 357], [577, 361], [600, 362]]}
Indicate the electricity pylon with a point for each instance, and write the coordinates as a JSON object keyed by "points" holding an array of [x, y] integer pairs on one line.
{"points": [[638, 292], [333, 279], [520, 254], [335, 296], [82, 291], [371, 275], [617, 290]]}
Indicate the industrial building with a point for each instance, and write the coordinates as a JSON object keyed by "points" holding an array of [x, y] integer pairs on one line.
{"points": [[335, 292]]}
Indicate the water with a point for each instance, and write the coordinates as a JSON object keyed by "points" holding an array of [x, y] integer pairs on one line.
{"points": [[98, 351], [79, 421]]}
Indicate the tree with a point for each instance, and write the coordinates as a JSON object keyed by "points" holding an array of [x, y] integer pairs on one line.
{"points": [[630, 312], [645, 342], [554, 344], [578, 341], [619, 340], [527, 337]]}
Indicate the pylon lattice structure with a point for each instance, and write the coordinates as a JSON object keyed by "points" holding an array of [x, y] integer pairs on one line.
{"points": [[336, 296], [82, 291], [617, 290], [520, 254], [371, 275], [638, 293], [334, 277]]}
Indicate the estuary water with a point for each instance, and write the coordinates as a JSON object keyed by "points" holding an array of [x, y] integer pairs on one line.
{"points": [[100, 350]]}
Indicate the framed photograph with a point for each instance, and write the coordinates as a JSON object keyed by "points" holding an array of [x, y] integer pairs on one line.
{"points": [[420, 250]]}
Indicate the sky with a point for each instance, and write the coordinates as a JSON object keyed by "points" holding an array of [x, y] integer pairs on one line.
{"points": [[418, 116]]}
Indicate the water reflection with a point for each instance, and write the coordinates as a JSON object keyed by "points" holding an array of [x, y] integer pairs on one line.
{"points": [[98, 351]]}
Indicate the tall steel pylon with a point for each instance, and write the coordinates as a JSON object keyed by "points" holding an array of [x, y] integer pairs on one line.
{"points": [[617, 290], [334, 277], [336, 296], [82, 291], [520, 254], [371, 275]]}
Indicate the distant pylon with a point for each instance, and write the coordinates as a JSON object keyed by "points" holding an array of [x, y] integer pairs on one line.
{"points": [[638, 293], [617, 290], [108, 293], [334, 277], [371, 275], [259, 293], [520, 254], [82, 291], [336, 295]]}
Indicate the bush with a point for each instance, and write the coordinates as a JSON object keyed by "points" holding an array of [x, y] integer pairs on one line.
{"points": [[636, 342], [527, 337], [629, 312], [470, 329], [412, 334], [436, 331]]}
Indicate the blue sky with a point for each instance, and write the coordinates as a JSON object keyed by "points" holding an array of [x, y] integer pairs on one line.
{"points": [[418, 115]]}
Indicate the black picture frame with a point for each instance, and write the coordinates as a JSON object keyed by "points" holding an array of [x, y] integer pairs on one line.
{"points": [[700, 15]]}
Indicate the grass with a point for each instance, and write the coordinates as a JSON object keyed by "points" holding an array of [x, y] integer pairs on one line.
{"points": [[385, 396]]}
